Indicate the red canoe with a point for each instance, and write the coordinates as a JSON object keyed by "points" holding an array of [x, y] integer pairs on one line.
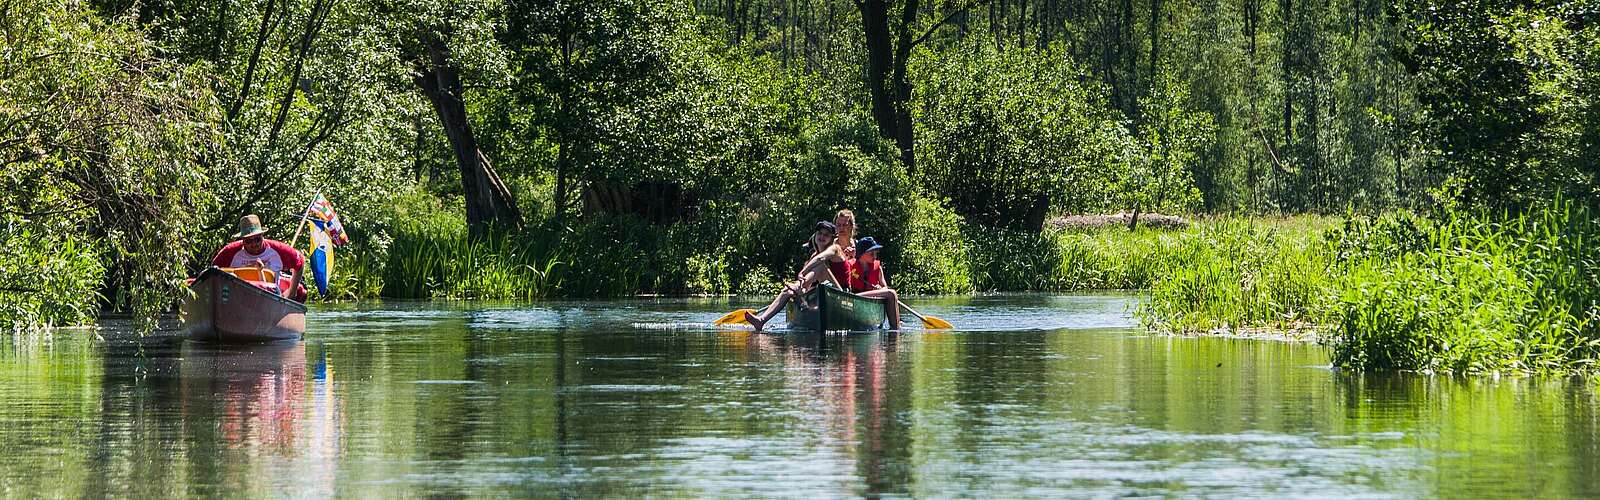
{"points": [[226, 308]]}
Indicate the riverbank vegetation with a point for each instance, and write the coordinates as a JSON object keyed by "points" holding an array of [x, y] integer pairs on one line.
{"points": [[528, 148]]}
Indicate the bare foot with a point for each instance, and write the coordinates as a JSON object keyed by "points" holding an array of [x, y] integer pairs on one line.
{"points": [[754, 321]]}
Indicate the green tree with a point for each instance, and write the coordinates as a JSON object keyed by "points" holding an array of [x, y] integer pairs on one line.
{"points": [[601, 79], [1010, 138], [101, 131], [1159, 178], [1508, 92]]}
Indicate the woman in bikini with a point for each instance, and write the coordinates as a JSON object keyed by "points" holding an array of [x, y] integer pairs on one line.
{"points": [[825, 265]]}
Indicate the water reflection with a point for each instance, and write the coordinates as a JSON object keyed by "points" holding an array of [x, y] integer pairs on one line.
{"points": [[855, 379], [178, 418], [575, 399], [251, 393]]}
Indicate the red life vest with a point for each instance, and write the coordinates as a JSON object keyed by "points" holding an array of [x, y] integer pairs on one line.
{"points": [[841, 271], [290, 258], [865, 277]]}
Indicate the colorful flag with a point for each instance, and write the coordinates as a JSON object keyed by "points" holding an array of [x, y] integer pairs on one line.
{"points": [[326, 234]]}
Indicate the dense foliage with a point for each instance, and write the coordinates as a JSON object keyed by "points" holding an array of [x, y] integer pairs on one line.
{"points": [[1474, 292], [529, 148], [1470, 292]]}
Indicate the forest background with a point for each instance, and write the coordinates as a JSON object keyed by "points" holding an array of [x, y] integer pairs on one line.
{"points": [[539, 148]]}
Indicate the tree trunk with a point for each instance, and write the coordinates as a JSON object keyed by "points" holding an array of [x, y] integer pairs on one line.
{"points": [[1126, 96], [1034, 222], [1252, 15], [563, 132], [489, 203], [563, 165], [887, 55], [905, 138], [880, 58], [1155, 37]]}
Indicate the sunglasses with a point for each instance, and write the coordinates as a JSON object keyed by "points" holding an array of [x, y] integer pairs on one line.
{"points": [[253, 239]]}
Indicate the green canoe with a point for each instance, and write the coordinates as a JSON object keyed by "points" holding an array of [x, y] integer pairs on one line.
{"points": [[829, 308]]}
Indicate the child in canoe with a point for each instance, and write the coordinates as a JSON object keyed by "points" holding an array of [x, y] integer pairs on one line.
{"points": [[866, 278]]}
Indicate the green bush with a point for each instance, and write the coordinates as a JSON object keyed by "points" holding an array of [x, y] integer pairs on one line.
{"points": [[1006, 260], [707, 275], [1007, 136], [1114, 258], [1243, 274], [933, 255], [758, 281], [46, 277]]}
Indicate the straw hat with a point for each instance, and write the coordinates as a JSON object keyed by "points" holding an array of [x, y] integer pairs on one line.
{"points": [[249, 225]]}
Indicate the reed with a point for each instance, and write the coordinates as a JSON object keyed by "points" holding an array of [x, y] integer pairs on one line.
{"points": [[1481, 293], [1114, 258], [1466, 293], [435, 258], [1237, 274]]}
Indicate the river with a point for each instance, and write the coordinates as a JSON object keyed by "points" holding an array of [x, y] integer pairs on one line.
{"points": [[1036, 395]]}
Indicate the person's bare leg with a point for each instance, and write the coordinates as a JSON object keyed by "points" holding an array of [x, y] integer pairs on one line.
{"points": [[760, 319], [808, 278], [893, 305]]}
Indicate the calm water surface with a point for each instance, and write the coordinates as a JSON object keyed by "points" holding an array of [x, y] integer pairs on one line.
{"points": [[1038, 395]]}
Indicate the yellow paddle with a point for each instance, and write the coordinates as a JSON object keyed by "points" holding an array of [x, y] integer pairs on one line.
{"points": [[736, 317], [928, 322]]}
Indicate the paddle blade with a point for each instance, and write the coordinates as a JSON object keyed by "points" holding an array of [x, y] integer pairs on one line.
{"points": [[936, 323], [735, 317]]}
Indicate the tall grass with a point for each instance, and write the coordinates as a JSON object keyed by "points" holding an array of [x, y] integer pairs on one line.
{"points": [[426, 252], [1242, 274], [1481, 293], [1468, 293], [1113, 258], [433, 257]]}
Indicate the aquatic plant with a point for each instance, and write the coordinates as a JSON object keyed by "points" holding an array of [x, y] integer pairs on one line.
{"points": [[1243, 273], [434, 257], [1486, 293]]}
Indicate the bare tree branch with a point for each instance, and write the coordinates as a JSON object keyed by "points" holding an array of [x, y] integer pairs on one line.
{"points": [[951, 15], [255, 57]]}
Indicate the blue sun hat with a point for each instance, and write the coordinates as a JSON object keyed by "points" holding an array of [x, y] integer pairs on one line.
{"points": [[867, 244]]}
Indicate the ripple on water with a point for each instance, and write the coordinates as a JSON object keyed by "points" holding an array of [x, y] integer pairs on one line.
{"points": [[621, 388], [528, 318], [393, 402], [375, 320], [1023, 455]]}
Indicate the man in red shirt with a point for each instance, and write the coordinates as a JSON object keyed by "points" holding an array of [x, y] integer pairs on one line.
{"points": [[250, 248], [866, 278]]}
